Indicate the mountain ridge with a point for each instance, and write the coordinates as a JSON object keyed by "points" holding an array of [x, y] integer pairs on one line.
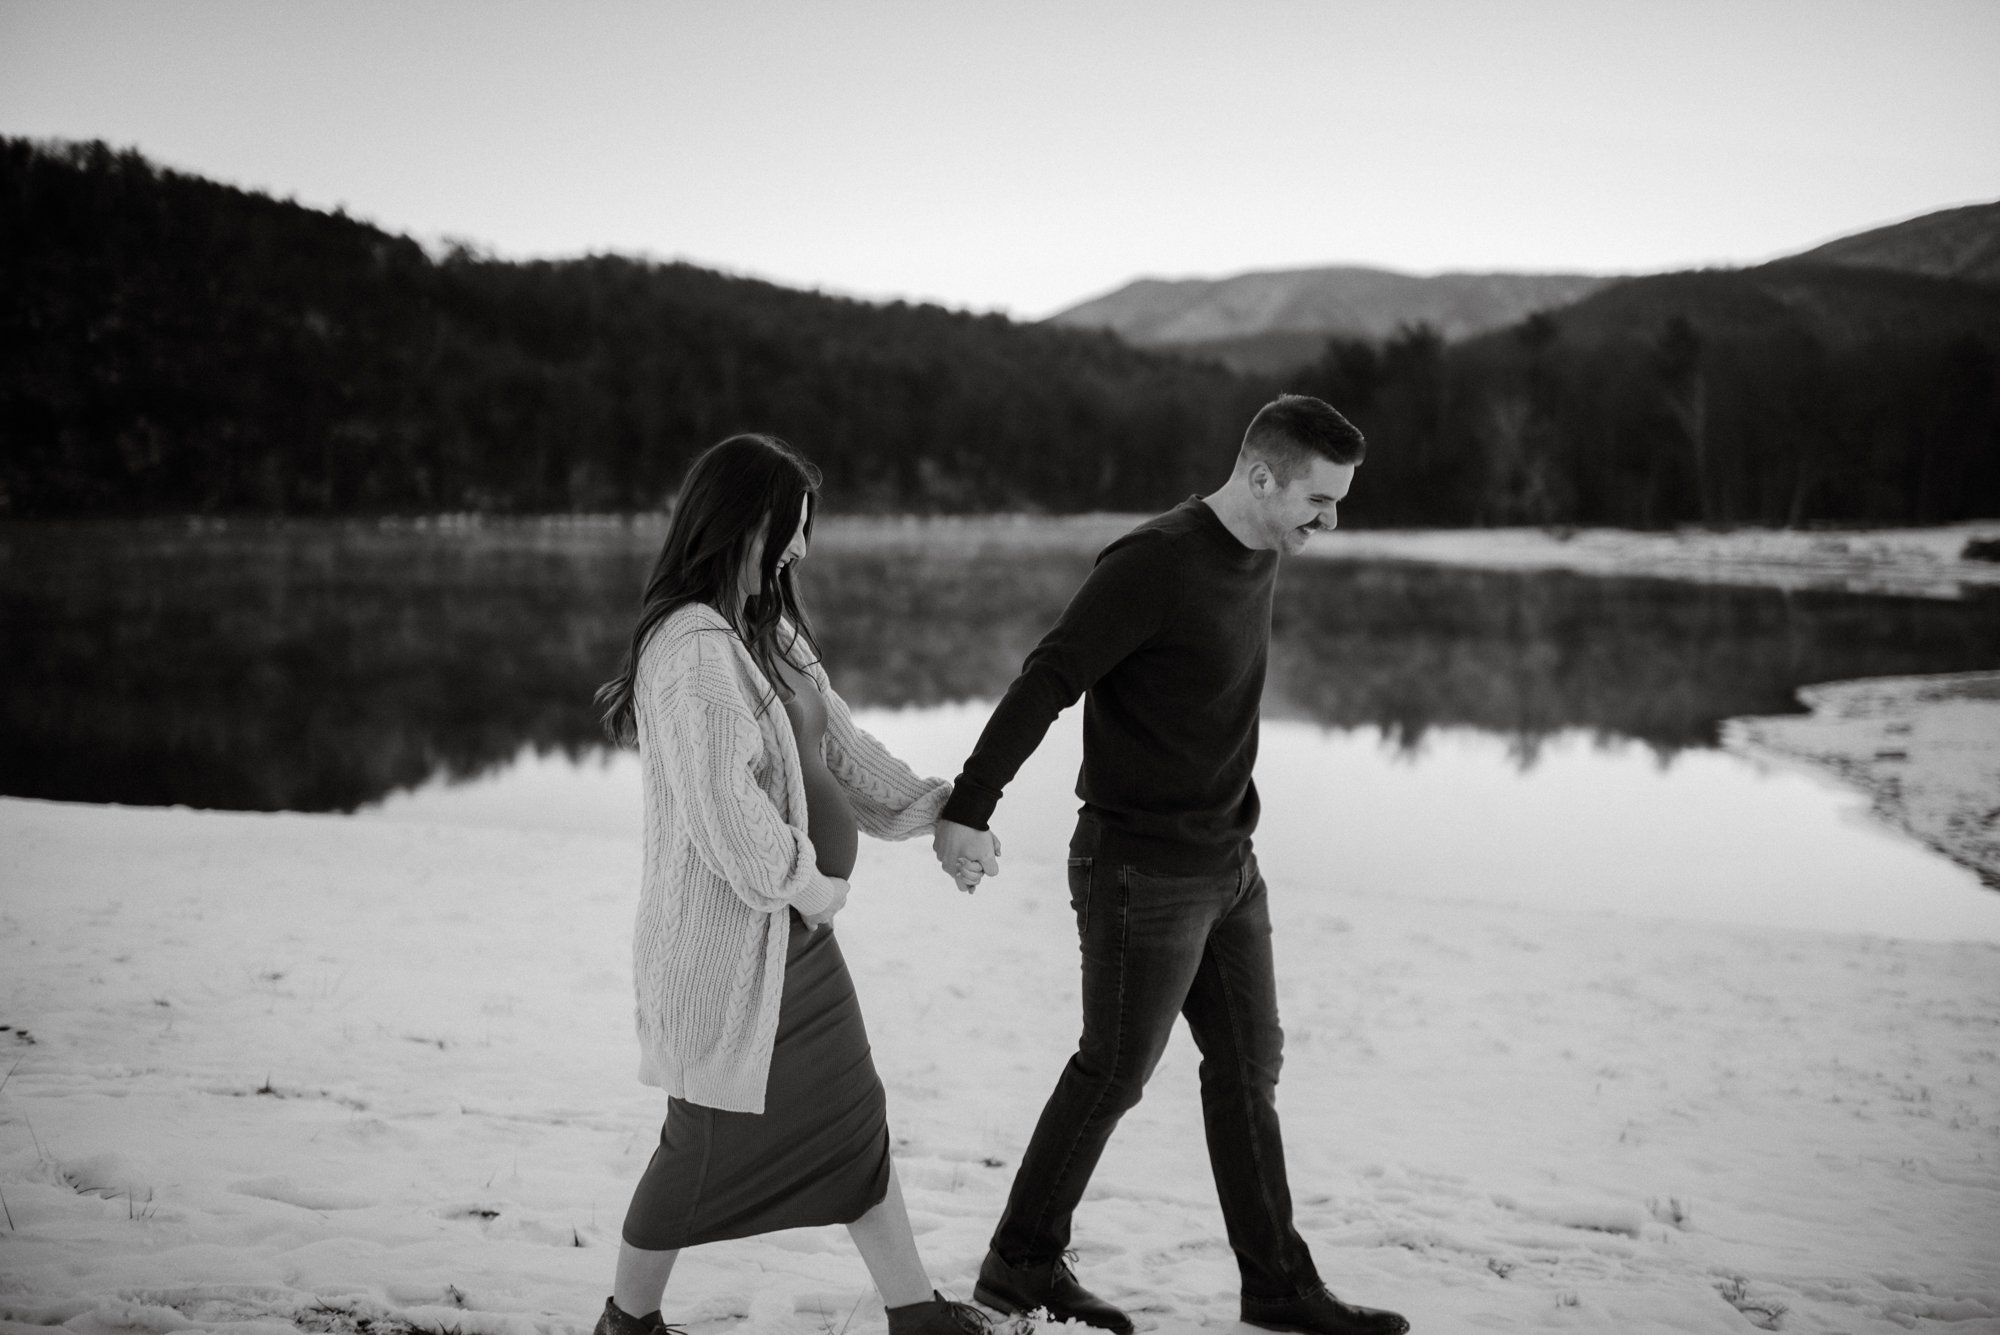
{"points": [[1832, 305], [1960, 243], [1271, 321], [1361, 301]]}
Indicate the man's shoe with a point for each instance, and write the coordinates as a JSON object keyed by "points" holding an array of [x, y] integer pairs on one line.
{"points": [[1320, 1313], [1046, 1284], [939, 1316]]}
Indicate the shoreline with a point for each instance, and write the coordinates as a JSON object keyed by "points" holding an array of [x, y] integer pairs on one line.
{"points": [[1904, 562], [1924, 750]]}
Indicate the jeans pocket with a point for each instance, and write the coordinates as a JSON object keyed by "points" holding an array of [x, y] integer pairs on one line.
{"points": [[1079, 891]]}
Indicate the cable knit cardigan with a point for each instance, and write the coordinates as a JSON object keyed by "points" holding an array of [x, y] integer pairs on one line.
{"points": [[727, 852]]}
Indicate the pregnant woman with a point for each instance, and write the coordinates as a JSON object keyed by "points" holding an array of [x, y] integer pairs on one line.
{"points": [[756, 781]]}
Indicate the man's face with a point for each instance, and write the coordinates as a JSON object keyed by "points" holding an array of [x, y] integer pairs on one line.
{"points": [[1308, 504]]}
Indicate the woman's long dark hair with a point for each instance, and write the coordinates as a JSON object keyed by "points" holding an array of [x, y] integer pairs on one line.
{"points": [[729, 489]]}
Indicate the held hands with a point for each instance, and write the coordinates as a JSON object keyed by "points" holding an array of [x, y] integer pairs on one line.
{"points": [[967, 855], [825, 915]]}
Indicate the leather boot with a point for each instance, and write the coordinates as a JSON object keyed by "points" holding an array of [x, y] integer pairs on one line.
{"points": [[939, 1316], [1046, 1284], [1320, 1313]]}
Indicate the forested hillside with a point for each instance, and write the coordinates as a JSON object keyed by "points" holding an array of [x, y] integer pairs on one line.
{"points": [[1786, 394], [171, 344]]}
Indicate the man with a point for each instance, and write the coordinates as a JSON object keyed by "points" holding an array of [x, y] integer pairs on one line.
{"points": [[1168, 637]]}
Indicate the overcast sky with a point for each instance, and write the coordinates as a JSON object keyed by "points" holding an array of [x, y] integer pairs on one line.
{"points": [[1023, 156]]}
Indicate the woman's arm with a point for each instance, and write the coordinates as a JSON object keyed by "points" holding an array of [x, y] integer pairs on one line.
{"points": [[710, 746], [890, 801]]}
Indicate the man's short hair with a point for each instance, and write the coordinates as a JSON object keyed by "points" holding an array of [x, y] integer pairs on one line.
{"points": [[1293, 429]]}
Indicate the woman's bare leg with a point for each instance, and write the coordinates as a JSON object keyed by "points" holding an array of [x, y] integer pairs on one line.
{"points": [[888, 1247], [642, 1278]]}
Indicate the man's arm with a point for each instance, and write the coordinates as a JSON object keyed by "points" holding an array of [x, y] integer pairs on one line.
{"points": [[1128, 595]]}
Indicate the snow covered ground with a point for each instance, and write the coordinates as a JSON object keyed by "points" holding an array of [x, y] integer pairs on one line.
{"points": [[273, 1069]]}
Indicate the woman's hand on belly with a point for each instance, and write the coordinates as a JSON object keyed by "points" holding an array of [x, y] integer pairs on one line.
{"points": [[825, 915]]}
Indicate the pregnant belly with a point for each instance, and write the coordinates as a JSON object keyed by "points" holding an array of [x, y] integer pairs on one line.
{"points": [[830, 822]]}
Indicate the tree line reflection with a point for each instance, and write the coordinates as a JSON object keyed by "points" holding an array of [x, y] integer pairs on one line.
{"points": [[319, 666]]}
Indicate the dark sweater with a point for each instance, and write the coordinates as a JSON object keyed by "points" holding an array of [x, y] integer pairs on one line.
{"points": [[1168, 635]]}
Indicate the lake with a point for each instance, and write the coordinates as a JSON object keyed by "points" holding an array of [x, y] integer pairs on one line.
{"points": [[1453, 733]]}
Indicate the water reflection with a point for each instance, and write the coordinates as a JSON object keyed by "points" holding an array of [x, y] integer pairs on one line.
{"points": [[1605, 826], [1409, 648], [318, 666]]}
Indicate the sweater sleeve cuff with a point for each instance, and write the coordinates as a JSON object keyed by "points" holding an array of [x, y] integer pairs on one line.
{"points": [[971, 803], [814, 897]]}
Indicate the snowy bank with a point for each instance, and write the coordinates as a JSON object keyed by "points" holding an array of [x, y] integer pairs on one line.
{"points": [[1911, 562], [1926, 750], [267, 1069]]}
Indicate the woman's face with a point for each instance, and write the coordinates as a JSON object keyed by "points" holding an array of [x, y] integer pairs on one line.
{"points": [[749, 573], [795, 550]]}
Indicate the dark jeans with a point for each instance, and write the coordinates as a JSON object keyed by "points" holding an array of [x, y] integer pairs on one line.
{"points": [[1155, 946]]}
